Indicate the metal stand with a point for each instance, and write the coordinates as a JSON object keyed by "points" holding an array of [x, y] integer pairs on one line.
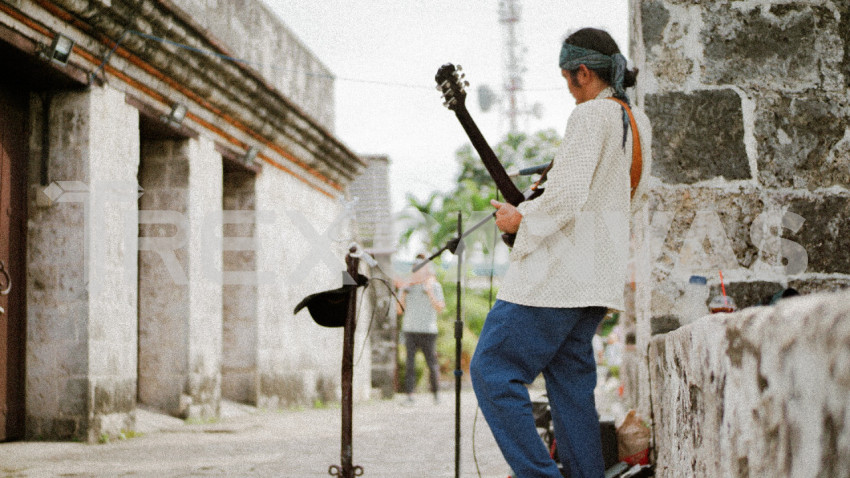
{"points": [[347, 469], [455, 246], [458, 342]]}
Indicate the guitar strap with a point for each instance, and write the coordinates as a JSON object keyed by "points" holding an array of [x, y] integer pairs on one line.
{"points": [[637, 153]]}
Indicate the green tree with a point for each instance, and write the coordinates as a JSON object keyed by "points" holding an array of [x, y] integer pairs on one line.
{"points": [[434, 219]]}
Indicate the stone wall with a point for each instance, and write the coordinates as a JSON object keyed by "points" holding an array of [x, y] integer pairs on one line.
{"points": [[258, 36], [299, 362], [751, 166], [762, 392], [751, 150]]}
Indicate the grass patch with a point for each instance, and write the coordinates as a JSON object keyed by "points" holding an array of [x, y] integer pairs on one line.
{"points": [[201, 420]]}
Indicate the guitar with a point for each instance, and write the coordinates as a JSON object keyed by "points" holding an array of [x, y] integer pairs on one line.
{"points": [[452, 84]]}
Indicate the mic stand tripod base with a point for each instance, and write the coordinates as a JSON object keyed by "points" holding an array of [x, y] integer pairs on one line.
{"points": [[337, 471]]}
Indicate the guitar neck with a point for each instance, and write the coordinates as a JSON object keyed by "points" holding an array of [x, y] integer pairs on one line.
{"points": [[512, 195]]}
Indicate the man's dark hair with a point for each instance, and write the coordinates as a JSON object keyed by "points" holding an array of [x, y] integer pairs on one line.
{"points": [[601, 41]]}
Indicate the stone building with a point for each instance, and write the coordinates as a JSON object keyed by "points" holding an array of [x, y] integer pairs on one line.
{"points": [[164, 209], [750, 104]]}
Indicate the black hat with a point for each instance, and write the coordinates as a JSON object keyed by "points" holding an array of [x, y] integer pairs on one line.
{"points": [[330, 308]]}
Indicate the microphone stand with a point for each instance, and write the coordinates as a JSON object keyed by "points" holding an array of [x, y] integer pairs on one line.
{"points": [[347, 469], [458, 342], [455, 246]]}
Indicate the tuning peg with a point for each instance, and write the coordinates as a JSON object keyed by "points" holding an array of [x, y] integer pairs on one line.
{"points": [[459, 68], [439, 88]]}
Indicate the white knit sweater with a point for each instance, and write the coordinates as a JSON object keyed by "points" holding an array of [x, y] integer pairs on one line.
{"points": [[572, 246]]}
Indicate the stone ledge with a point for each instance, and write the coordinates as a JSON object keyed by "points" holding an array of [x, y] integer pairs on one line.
{"points": [[762, 392]]}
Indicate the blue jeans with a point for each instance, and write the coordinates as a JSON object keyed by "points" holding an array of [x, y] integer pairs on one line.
{"points": [[518, 343]]}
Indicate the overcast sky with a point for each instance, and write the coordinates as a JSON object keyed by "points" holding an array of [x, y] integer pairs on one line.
{"points": [[384, 54]]}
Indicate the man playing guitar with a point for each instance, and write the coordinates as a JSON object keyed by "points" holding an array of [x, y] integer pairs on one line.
{"points": [[567, 268]]}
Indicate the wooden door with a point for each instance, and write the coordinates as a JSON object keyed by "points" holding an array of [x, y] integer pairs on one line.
{"points": [[14, 105]]}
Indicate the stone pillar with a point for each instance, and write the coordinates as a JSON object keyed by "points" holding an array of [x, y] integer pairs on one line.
{"points": [[374, 229], [384, 334], [180, 301], [239, 379], [81, 282]]}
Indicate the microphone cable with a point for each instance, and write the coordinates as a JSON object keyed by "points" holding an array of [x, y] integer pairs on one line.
{"points": [[375, 310]]}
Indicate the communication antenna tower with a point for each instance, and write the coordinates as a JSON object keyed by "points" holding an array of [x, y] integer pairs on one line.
{"points": [[512, 100], [509, 16]]}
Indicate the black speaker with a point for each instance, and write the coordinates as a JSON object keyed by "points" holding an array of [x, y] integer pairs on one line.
{"points": [[609, 442]]}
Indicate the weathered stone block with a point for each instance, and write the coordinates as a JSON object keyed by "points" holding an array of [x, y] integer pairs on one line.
{"points": [[668, 43], [718, 220], [844, 32], [748, 294], [812, 285], [654, 18], [114, 396], [768, 44], [281, 391], [825, 234], [75, 398], [663, 324], [800, 140], [688, 146]]}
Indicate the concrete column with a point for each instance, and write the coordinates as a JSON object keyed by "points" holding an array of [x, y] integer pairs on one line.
{"points": [[180, 316], [81, 284]]}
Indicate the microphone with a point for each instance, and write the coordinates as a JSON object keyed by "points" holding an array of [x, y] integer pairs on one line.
{"points": [[527, 171]]}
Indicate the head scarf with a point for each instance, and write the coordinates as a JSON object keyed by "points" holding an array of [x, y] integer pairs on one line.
{"points": [[573, 56]]}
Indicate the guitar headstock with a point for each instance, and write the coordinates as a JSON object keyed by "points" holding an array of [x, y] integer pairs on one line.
{"points": [[452, 85]]}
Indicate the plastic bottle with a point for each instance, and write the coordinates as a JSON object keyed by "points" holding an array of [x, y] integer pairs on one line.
{"points": [[692, 305]]}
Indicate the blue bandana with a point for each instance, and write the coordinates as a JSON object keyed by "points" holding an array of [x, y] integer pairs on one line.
{"points": [[573, 56]]}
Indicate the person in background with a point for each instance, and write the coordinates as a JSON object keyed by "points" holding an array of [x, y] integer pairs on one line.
{"points": [[422, 300]]}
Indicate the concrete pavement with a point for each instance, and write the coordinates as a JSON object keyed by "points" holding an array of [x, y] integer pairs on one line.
{"points": [[392, 439]]}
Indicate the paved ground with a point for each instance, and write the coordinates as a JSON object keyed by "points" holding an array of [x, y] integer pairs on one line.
{"points": [[391, 440]]}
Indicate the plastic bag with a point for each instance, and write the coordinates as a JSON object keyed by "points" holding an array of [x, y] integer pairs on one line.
{"points": [[633, 440]]}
